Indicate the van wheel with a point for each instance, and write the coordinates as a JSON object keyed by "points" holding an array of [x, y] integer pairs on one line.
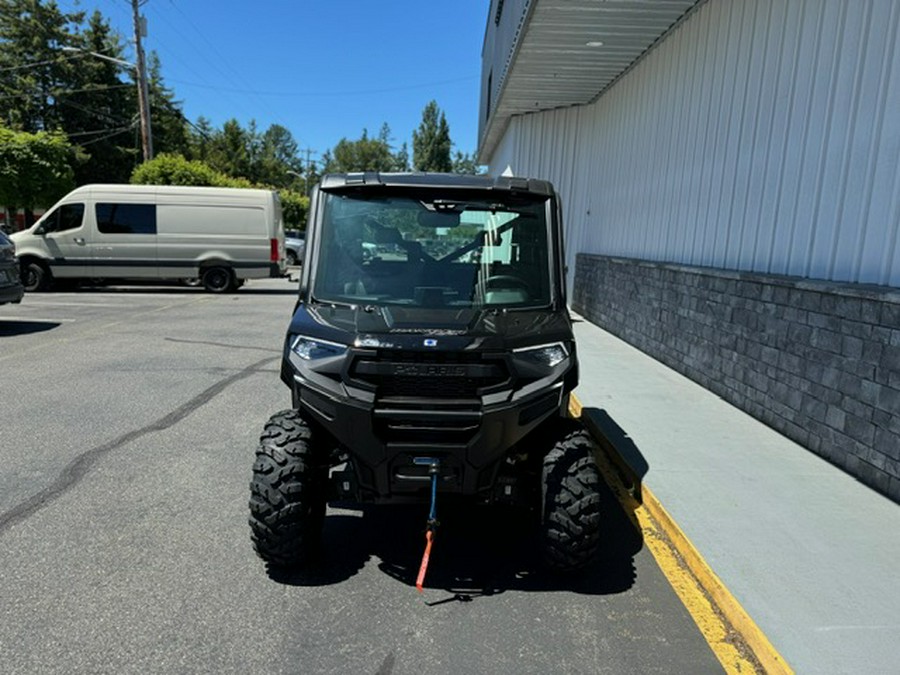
{"points": [[218, 279], [35, 276]]}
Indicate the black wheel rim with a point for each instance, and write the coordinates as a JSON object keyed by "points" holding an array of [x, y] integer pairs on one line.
{"points": [[31, 277], [216, 279]]}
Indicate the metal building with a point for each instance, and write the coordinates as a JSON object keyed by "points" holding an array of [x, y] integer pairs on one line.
{"points": [[729, 173]]}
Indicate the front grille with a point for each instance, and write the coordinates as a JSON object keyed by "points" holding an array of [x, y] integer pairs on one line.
{"points": [[433, 432], [435, 375]]}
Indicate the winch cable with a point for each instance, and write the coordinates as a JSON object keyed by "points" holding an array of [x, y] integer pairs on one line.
{"points": [[431, 525]]}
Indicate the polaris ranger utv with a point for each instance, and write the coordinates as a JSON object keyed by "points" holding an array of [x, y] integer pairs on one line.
{"points": [[430, 354]]}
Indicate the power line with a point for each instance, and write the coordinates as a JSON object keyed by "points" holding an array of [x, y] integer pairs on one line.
{"points": [[34, 64], [100, 131], [102, 114], [103, 138], [68, 92], [214, 64], [385, 90]]}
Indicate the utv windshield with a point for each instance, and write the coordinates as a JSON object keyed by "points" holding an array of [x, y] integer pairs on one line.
{"points": [[426, 252]]}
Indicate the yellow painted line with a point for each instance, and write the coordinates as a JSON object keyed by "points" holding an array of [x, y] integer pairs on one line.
{"points": [[733, 636]]}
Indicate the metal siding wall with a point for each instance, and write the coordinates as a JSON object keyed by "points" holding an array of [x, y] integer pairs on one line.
{"points": [[758, 136], [498, 47]]}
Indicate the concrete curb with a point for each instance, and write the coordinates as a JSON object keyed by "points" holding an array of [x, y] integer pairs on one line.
{"points": [[731, 633]]}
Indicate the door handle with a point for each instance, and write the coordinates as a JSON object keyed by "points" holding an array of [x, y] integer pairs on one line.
{"points": [[79, 241]]}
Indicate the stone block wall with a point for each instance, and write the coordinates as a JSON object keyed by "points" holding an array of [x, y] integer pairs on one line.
{"points": [[817, 361]]}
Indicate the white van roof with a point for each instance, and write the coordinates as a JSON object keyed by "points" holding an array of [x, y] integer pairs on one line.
{"points": [[128, 188]]}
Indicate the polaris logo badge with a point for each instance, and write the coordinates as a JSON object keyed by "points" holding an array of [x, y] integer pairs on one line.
{"points": [[428, 370], [429, 342]]}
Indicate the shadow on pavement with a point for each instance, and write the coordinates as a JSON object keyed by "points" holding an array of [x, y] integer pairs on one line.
{"points": [[10, 328], [618, 447], [157, 287], [478, 551]]}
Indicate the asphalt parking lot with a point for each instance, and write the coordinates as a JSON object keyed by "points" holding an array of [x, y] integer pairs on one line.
{"points": [[128, 419]]}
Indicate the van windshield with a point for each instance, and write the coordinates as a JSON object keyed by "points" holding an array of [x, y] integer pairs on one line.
{"points": [[405, 250]]}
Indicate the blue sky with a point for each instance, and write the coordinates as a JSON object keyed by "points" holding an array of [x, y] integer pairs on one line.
{"points": [[324, 70]]}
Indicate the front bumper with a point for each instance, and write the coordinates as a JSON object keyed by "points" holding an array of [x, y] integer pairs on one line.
{"points": [[383, 434]]}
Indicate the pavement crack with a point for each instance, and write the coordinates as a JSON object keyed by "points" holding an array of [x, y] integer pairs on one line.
{"points": [[222, 344], [81, 466]]}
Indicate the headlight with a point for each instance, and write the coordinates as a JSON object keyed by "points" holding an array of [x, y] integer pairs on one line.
{"points": [[309, 349], [544, 355]]}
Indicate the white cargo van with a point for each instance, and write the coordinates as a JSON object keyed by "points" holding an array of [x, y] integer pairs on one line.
{"points": [[221, 236]]}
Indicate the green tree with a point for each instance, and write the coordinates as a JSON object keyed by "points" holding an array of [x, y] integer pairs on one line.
{"points": [[228, 150], [32, 67], [99, 112], [431, 142], [401, 159], [173, 169], [295, 208], [35, 169], [465, 164], [364, 154], [167, 121], [200, 138], [279, 156]]}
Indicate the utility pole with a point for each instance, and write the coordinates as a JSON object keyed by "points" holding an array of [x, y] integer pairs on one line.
{"points": [[308, 169], [143, 90]]}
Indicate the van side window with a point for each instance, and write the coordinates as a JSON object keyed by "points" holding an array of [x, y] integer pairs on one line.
{"points": [[66, 217], [126, 218]]}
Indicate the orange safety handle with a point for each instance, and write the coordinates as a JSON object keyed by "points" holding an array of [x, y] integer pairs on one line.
{"points": [[429, 539]]}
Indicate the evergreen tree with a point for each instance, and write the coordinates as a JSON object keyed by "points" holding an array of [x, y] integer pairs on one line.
{"points": [[228, 151], [32, 67], [99, 112], [465, 164], [167, 121], [401, 159], [431, 143], [278, 156], [200, 139]]}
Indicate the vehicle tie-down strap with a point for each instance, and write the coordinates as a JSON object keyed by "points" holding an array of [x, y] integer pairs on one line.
{"points": [[431, 526]]}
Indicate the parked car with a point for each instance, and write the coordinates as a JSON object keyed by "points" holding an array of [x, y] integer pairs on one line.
{"points": [[294, 246], [11, 289]]}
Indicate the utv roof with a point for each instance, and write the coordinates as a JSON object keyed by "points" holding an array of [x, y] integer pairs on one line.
{"points": [[375, 179]]}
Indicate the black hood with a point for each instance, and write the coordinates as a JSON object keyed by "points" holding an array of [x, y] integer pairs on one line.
{"points": [[444, 327]]}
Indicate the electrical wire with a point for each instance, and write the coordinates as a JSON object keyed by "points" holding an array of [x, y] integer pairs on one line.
{"points": [[102, 114], [214, 64], [100, 131], [34, 64], [67, 92], [357, 92], [103, 138]]}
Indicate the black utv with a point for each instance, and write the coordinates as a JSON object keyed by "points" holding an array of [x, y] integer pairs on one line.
{"points": [[430, 354]]}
